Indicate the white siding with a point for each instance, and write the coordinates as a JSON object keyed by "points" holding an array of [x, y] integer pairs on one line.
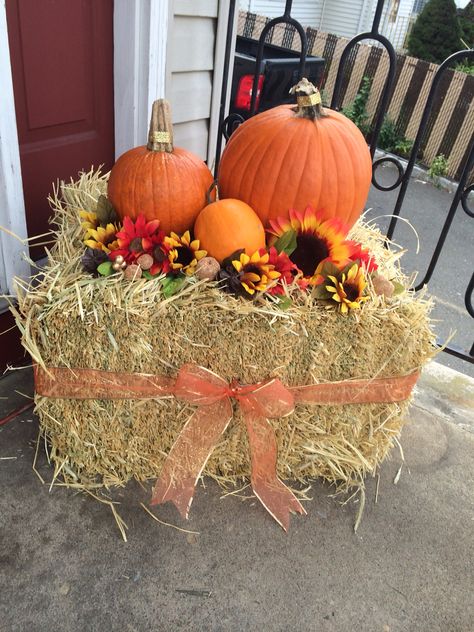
{"points": [[194, 70], [308, 12], [341, 17]]}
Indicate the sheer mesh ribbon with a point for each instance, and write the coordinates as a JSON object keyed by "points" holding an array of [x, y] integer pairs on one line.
{"points": [[212, 397]]}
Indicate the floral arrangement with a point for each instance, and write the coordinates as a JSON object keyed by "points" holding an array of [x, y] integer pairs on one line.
{"points": [[304, 250]]}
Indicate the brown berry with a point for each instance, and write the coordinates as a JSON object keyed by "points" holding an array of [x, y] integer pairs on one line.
{"points": [[145, 261], [132, 272], [207, 268], [382, 286]]}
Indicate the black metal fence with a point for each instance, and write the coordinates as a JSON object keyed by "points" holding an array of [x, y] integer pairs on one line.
{"points": [[463, 189]]}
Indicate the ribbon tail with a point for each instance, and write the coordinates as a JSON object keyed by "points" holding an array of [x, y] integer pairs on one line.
{"points": [[189, 455], [274, 495]]}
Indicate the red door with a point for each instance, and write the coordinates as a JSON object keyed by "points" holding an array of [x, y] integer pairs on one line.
{"points": [[62, 65]]}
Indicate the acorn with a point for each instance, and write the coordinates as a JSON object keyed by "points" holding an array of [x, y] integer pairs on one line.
{"points": [[132, 272], [207, 269], [382, 286], [145, 261], [119, 263]]}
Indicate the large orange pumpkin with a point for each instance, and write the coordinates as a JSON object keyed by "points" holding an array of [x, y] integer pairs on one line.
{"points": [[158, 180], [226, 226], [290, 157]]}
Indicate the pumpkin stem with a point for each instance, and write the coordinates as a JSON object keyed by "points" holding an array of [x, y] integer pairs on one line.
{"points": [[160, 136], [308, 99], [213, 187]]}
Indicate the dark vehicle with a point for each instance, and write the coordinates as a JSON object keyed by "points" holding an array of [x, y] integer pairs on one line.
{"points": [[278, 73]]}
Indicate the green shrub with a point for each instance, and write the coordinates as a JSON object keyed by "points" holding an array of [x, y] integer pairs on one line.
{"points": [[357, 110], [436, 33]]}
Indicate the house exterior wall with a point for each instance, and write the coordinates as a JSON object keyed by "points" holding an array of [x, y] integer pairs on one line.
{"points": [[196, 44], [341, 17]]}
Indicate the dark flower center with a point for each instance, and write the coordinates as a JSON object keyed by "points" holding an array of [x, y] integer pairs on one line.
{"points": [[136, 245], [158, 254], [252, 268], [185, 255], [352, 291], [310, 251]]}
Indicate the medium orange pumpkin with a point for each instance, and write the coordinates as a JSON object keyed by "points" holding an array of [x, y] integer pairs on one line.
{"points": [[228, 225], [291, 157], [158, 180]]}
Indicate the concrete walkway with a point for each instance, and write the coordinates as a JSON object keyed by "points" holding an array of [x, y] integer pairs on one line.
{"points": [[409, 568]]}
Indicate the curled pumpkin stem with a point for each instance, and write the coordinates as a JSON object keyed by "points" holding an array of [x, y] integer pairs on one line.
{"points": [[308, 100]]}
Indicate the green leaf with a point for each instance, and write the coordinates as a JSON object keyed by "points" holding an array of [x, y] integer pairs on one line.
{"points": [[105, 269], [287, 242], [171, 284], [398, 288], [105, 211], [284, 302]]}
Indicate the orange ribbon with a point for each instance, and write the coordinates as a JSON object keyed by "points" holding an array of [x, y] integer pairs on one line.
{"points": [[212, 396]]}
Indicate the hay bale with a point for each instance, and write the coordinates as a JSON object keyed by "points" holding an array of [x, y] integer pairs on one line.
{"points": [[72, 320]]}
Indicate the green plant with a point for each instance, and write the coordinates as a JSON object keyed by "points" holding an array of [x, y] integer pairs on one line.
{"points": [[357, 110], [403, 147], [391, 140], [467, 67], [438, 167]]}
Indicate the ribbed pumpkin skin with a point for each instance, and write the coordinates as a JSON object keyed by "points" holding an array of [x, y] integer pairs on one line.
{"points": [[226, 226], [276, 161], [170, 187]]}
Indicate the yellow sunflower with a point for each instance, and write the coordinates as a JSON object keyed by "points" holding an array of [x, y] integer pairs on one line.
{"points": [[317, 240], [348, 289], [90, 221], [183, 254], [102, 238], [255, 273]]}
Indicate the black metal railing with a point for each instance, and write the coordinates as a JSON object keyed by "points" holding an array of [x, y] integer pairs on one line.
{"points": [[463, 189]]}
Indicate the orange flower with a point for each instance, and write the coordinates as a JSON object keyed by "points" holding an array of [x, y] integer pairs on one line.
{"points": [[317, 241]]}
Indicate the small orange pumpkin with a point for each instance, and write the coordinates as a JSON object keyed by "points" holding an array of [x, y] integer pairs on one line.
{"points": [[228, 225], [291, 157], [158, 180]]}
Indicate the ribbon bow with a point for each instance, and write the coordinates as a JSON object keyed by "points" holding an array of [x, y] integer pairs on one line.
{"points": [[188, 456]]}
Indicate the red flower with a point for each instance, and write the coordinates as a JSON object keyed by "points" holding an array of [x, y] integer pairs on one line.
{"points": [[282, 264], [139, 237], [365, 257]]}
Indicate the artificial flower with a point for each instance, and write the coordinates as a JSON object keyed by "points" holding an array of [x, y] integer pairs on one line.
{"points": [[317, 240], [92, 258], [365, 257], [90, 221], [255, 272], [141, 237], [102, 238], [281, 263], [348, 288], [183, 254]]}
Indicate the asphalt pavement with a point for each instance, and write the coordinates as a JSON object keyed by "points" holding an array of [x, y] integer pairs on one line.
{"points": [[425, 207]]}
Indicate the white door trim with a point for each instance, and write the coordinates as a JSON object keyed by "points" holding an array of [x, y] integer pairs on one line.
{"points": [[12, 203], [140, 38]]}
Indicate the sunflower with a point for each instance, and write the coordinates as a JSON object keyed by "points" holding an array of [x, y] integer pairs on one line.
{"points": [[102, 238], [255, 272], [347, 290], [183, 254], [90, 221], [317, 240], [141, 237]]}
